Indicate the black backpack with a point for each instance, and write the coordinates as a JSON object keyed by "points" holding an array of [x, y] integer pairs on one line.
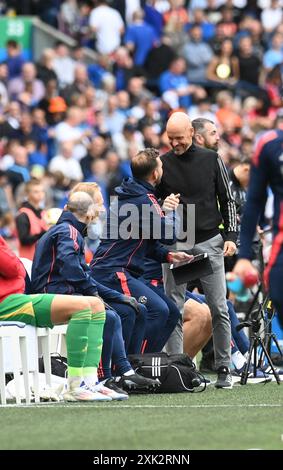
{"points": [[176, 372], [58, 365]]}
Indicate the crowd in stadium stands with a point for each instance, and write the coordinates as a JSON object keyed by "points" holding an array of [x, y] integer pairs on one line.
{"points": [[64, 121]]}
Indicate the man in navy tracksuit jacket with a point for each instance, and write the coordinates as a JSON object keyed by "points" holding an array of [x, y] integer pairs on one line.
{"points": [[267, 170], [118, 261], [59, 267]]}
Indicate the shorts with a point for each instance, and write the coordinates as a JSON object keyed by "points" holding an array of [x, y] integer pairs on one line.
{"points": [[34, 309]]}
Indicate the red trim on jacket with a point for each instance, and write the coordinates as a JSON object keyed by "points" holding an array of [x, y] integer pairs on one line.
{"points": [[261, 143], [124, 284]]}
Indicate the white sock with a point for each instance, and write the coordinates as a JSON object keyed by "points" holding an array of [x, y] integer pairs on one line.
{"points": [[74, 382], [91, 380], [129, 372], [238, 359]]}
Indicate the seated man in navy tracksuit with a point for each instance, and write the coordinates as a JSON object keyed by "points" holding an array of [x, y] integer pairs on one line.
{"points": [[118, 261], [59, 267]]}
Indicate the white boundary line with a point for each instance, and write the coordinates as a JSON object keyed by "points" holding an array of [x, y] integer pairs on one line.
{"points": [[120, 406]]}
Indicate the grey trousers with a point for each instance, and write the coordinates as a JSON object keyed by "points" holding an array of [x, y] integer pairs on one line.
{"points": [[214, 287]]}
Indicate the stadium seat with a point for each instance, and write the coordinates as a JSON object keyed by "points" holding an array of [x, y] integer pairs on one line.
{"points": [[44, 336], [18, 353]]}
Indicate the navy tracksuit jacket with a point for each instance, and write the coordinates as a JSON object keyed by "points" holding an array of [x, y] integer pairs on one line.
{"points": [[119, 259], [267, 170], [59, 267]]}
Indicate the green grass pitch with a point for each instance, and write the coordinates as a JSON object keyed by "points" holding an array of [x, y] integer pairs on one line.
{"points": [[245, 417]]}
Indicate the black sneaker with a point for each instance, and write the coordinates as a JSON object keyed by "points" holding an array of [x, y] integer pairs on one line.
{"points": [[224, 378], [138, 384], [110, 383]]}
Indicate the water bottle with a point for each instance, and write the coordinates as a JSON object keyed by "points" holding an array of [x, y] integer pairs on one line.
{"points": [[236, 285]]}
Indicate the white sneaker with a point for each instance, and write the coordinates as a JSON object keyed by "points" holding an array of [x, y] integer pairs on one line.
{"points": [[268, 370], [107, 392], [83, 393]]}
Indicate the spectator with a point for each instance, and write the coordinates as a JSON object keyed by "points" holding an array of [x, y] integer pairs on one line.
{"points": [[227, 24], [30, 219], [198, 54], [207, 27], [124, 68], [107, 24], [45, 68], [26, 130], [127, 8], [249, 65], [274, 55], [123, 141], [114, 171], [98, 175], [18, 172], [97, 149], [79, 84], [66, 162], [6, 200], [175, 81], [153, 17], [63, 64], [4, 99], [271, 17], [56, 109], [114, 119], [227, 111], [176, 17], [27, 88], [224, 68], [70, 129], [159, 59], [68, 15], [139, 38], [14, 60]]}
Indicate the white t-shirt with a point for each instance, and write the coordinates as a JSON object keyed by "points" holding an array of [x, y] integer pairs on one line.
{"points": [[131, 7], [65, 132], [68, 166], [107, 23], [64, 67], [271, 18]]}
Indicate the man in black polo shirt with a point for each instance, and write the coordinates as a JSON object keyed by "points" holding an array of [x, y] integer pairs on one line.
{"points": [[200, 177]]}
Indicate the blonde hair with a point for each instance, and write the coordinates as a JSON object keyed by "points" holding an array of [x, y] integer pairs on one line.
{"points": [[90, 188]]}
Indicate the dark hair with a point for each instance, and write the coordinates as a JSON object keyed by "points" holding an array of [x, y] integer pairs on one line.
{"points": [[144, 163], [60, 43], [12, 43], [199, 124]]}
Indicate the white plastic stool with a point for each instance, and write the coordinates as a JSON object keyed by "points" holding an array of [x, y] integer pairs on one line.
{"points": [[44, 336], [18, 342]]}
